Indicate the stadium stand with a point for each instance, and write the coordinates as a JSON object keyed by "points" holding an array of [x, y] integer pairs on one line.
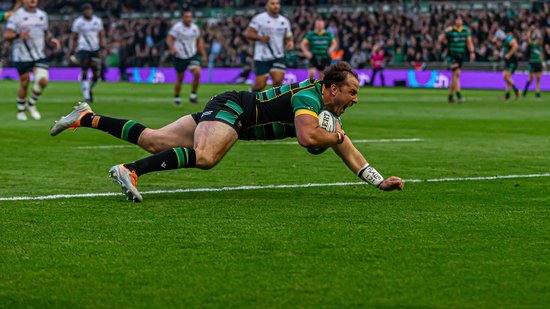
{"points": [[408, 32]]}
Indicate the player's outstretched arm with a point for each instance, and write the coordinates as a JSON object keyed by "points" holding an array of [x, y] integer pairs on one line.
{"points": [[359, 165], [310, 134]]}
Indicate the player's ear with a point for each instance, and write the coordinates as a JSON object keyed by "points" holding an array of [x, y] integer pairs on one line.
{"points": [[333, 89]]}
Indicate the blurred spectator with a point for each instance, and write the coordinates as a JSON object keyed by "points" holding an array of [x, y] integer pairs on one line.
{"points": [[405, 34]]}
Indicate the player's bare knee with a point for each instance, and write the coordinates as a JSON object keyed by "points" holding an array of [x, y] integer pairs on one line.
{"points": [[43, 82], [205, 159], [148, 142]]}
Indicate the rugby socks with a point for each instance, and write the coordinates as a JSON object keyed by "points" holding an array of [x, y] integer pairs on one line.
{"points": [[515, 88], [33, 99], [166, 160], [458, 96], [450, 97], [21, 105], [85, 86], [127, 130], [177, 100], [526, 86], [507, 95], [537, 94]]}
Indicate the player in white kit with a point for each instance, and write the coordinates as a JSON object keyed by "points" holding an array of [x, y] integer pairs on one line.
{"points": [[272, 35], [185, 44], [88, 40], [28, 29]]}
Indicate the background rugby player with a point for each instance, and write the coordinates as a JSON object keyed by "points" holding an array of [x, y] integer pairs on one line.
{"points": [[457, 37], [317, 46], [28, 29], [88, 39], [272, 34], [184, 41]]}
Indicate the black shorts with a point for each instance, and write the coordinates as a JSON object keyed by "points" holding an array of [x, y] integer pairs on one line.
{"points": [[535, 67], [183, 64], [455, 62], [319, 63], [232, 108], [511, 64], [85, 57], [27, 66], [265, 67]]}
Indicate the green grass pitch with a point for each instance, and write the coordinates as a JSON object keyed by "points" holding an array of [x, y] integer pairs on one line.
{"points": [[454, 244]]}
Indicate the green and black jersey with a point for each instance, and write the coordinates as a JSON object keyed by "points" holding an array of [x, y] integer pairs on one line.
{"points": [[3, 16], [457, 41], [319, 43], [272, 112], [266, 115], [507, 45], [535, 52]]}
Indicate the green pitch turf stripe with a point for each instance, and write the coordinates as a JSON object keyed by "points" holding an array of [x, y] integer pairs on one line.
{"points": [[181, 157], [126, 129]]}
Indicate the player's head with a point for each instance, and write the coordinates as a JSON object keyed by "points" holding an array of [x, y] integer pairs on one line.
{"points": [[30, 4], [319, 25], [273, 7], [341, 87], [459, 22], [187, 17], [87, 10]]}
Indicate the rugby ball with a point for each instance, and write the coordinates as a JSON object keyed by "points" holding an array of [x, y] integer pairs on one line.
{"points": [[327, 121]]}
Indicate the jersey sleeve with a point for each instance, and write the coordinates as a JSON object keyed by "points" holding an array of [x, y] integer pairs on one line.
{"points": [[101, 28], [305, 102], [288, 29], [46, 22], [74, 27], [255, 23], [330, 36], [173, 31], [13, 23]]}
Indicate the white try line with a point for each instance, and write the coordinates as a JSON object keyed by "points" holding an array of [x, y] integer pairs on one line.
{"points": [[357, 141], [245, 188]]}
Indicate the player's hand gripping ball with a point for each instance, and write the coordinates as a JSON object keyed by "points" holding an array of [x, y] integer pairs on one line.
{"points": [[327, 121]]}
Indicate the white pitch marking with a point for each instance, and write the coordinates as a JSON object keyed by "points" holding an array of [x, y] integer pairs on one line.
{"points": [[240, 188], [105, 147], [357, 141]]}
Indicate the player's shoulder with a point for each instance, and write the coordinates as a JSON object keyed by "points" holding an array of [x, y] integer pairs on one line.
{"points": [[261, 16], [96, 18], [284, 19], [18, 13], [40, 12], [177, 25], [308, 95], [78, 20]]}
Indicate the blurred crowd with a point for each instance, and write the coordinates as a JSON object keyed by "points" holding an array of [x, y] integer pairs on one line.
{"points": [[406, 35]]}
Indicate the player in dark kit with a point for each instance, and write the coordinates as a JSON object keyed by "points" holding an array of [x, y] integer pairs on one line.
{"points": [[458, 38], [536, 61], [317, 46], [510, 46], [202, 139]]}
